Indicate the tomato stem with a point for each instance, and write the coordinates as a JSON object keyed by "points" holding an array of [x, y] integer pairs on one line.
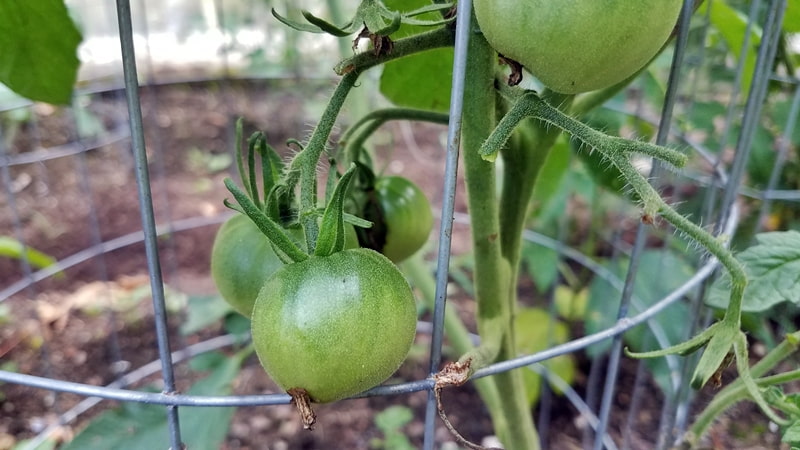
{"points": [[354, 138], [305, 162], [492, 278]]}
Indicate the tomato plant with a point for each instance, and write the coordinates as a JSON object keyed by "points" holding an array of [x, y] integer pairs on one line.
{"points": [[334, 322], [334, 325], [578, 45], [401, 216]]}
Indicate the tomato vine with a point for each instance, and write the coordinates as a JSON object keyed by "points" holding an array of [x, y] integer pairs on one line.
{"points": [[520, 126]]}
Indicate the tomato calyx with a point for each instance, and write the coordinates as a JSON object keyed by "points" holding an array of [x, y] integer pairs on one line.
{"points": [[515, 77], [272, 207], [372, 20]]}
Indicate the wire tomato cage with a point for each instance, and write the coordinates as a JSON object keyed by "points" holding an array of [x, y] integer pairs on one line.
{"points": [[728, 179]]}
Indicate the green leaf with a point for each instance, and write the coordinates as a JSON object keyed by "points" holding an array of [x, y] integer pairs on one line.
{"points": [[571, 305], [732, 25], [772, 267], [791, 17], [660, 272], [38, 49], [393, 418], [204, 311], [406, 6], [420, 81], [792, 434], [14, 249], [136, 425], [541, 263], [536, 331], [552, 173]]}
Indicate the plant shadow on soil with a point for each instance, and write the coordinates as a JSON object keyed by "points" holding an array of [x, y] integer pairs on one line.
{"points": [[65, 205]]}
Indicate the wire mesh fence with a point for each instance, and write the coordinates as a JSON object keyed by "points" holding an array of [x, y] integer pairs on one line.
{"points": [[63, 157]]}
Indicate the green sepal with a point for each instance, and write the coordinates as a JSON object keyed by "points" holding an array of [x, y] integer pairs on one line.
{"points": [[356, 221], [332, 236], [299, 26], [271, 166], [370, 14], [327, 27], [250, 179], [715, 354], [274, 232]]}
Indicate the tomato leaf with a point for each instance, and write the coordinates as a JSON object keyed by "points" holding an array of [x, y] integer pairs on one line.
{"points": [[137, 425], [536, 331], [732, 26], [772, 266], [541, 263], [660, 272], [552, 173], [792, 433], [420, 81], [332, 233], [204, 311], [791, 18], [38, 49]]}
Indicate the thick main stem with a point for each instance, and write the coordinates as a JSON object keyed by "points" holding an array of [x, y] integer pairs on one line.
{"points": [[492, 271]]}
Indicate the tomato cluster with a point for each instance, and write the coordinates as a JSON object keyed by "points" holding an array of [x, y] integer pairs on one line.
{"points": [[333, 320]]}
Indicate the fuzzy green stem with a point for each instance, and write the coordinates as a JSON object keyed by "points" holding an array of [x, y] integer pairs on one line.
{"points": [[457, 334], [531, 105], [440, 37], [355, 137], [306, 161], [492, 271]]}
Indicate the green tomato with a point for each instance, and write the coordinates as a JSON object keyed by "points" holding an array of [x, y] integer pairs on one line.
{"points": [[575, 46], [335, 325], [242, 259], [401, 216]]}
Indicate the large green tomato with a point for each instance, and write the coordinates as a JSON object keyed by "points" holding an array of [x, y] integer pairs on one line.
{"points": [[335, 325], [401, 216], [575, 46], [242, 259]]}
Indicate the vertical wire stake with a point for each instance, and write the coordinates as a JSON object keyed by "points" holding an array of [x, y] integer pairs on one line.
{"points": [[448, 206], [146, 211], [641, 231]]}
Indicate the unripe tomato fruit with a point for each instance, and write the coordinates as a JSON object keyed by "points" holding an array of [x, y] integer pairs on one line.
{"points": [[335, 325], [242, 259], [575, 46], [402, 220]]}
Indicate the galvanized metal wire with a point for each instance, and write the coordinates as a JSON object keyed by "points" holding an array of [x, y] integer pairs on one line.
{"points": [[631, 312]]}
